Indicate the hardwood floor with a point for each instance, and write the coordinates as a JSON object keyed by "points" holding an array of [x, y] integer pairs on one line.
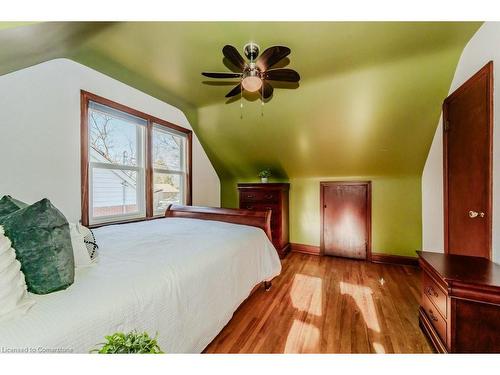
{"points": [[329, 305]]}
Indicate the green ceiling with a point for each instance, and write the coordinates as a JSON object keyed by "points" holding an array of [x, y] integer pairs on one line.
{"points": [[368, 102]]}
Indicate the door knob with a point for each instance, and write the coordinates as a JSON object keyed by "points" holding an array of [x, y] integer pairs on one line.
{"points": [[474, 214]]}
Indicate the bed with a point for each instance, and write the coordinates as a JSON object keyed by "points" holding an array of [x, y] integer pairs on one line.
{"points": [[180, 277]]}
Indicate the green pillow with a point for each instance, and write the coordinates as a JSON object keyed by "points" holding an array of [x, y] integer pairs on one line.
{"points": [[9, 205], [41, 237]]}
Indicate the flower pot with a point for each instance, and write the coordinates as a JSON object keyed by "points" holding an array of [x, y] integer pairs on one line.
{"points": [[264, 180]]}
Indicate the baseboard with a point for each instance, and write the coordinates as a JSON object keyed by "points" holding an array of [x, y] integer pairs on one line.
{"points": [[305, 249], [375, 257], [394, 259]]}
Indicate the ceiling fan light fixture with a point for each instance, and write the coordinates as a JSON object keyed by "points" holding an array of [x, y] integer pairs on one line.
{"points": [[255, 73], [252, 83]]}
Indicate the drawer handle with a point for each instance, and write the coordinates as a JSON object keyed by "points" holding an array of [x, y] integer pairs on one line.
{"points": [[431, 292], [249, 207], [250, 196], [269, 196], [433, 317]]}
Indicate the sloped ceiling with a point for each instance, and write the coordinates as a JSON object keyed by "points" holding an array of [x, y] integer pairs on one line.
{"points": [[368, 101]]}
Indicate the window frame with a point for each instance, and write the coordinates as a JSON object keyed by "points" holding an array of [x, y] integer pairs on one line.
{"points": [[183, 171], [85, 98]]}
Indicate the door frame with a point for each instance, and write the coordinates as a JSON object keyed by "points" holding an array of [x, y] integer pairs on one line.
{"points": [[488, 71], [368, 185]]}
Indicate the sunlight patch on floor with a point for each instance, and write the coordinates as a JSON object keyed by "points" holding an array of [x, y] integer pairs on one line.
{"points": [[379, 348], [362, 295], [302, 338], [306, 294]]}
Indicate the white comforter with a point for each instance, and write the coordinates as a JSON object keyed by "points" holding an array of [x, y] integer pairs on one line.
{"points": [[181, 279]]}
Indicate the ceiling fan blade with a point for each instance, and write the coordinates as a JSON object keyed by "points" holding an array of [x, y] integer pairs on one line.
{"points": [[287, 75], [221, 75], [271, 56], [267, 90], [235, 91], [234, 56]]}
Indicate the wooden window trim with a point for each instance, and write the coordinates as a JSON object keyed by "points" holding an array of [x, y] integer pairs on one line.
{"points": [[85, 98]]}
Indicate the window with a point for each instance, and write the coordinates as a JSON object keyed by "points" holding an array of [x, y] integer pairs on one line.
{"points": [[169, 168], [116, 164], [135, 165]]}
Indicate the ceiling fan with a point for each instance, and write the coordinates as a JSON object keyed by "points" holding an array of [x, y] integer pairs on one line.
{"points": [[256, 73]]}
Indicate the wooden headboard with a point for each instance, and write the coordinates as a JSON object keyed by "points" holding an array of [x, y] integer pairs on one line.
{"points": [[259, 219]]}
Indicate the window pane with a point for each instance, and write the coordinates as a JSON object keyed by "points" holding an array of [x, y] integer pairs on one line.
{"points": [[114, 192], [167, 189], [167, 150], [114, 139]]}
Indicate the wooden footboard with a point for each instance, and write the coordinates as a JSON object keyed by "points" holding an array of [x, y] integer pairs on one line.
{"points": [[259, 219]]}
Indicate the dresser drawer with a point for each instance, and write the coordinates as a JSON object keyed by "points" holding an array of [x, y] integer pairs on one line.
{"points": [[435, 294], [437, 321], [275, 208], [259, 196]]}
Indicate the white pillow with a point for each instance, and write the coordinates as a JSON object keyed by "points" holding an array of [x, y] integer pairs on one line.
{"points": [[14, 297], [90, 242], [80, 252]]}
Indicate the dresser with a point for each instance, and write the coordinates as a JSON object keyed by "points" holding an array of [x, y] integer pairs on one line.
{"points": [[274, 197], [460, 304]]}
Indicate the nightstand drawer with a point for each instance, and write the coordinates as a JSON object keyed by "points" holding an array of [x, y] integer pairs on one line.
{"points": [[432, 291]]}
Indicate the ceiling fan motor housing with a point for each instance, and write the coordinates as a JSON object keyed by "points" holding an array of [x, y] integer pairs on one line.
{"points": [[251, 51]]}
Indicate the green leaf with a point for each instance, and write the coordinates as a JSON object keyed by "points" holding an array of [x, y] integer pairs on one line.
{"points": [[131, 342]]}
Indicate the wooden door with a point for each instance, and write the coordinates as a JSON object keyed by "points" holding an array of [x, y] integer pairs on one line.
{"points": [[467, 142], [346, 219]]}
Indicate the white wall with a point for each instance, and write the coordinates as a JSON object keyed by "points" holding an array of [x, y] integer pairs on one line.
{"points": [[40, 133], [482, 48]]}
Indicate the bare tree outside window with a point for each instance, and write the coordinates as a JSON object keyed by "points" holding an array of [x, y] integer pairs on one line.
{"points": [[104, 139]]}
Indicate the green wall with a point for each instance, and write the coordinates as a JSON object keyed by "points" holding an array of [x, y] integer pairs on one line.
{"points": [[396, 211], [367, 104]]}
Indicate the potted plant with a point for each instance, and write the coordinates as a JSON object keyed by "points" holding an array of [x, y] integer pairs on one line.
{"points": [[264, 175], [129, 343]]}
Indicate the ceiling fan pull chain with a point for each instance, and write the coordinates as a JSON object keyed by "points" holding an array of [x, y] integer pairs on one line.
{"points": [[241, 104], [262, 101]]}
